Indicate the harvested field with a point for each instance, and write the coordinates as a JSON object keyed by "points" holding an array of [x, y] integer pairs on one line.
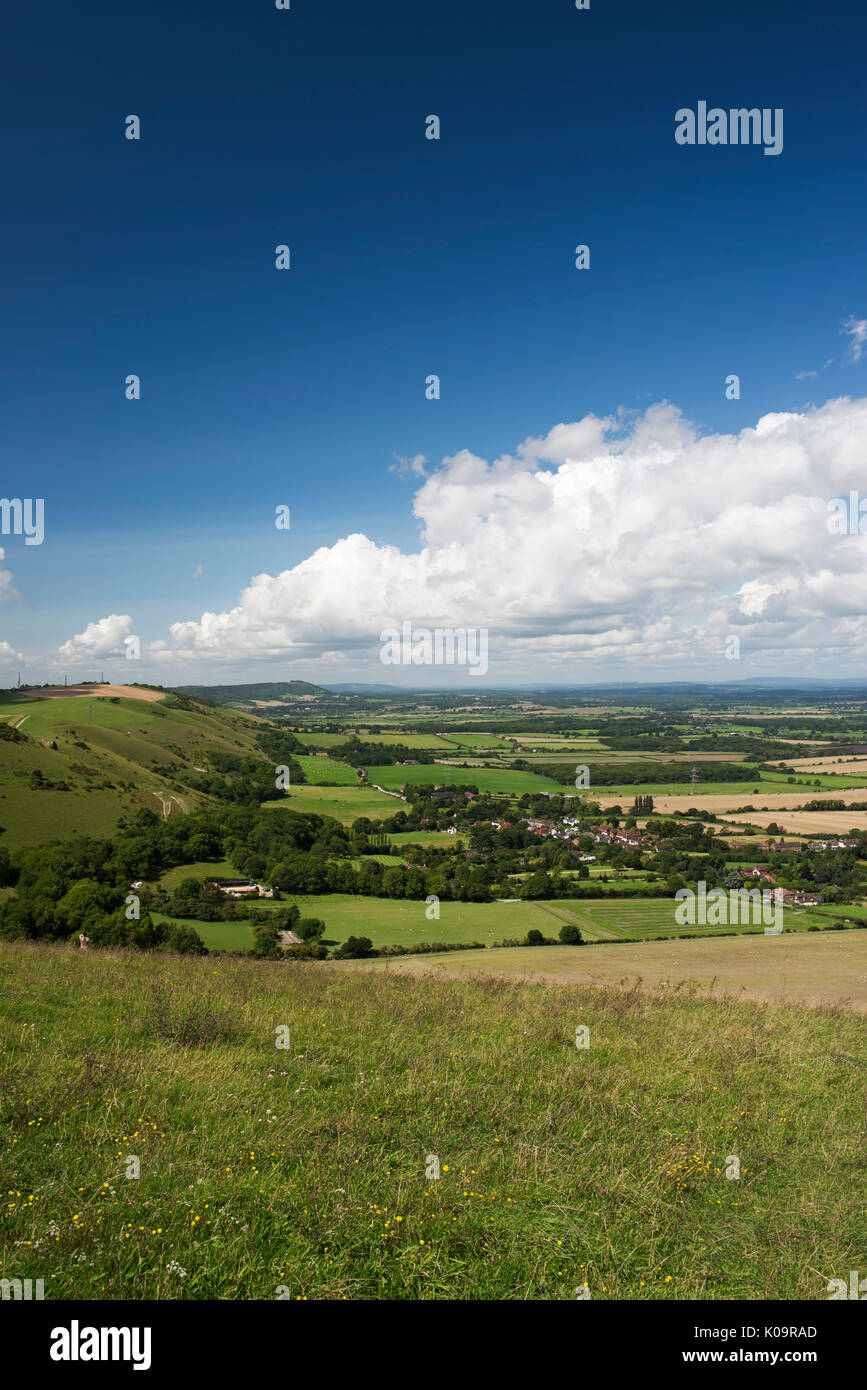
{"points": [[848, 765], [93, 692], [776, 802], [805, 822], [815, 969]]}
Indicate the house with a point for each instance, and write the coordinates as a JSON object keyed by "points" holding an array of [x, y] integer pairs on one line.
{"points": [[758, 872], [797, 899], [818, 845], [627, 839], [241, 888], [288, 938]]}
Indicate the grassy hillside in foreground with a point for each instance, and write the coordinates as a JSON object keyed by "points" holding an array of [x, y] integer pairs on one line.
{"points": [[305, 1168], [114, 755]]}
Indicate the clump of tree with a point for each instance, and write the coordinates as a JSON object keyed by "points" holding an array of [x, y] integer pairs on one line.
{"points": [[570, 935], [356, 948]]}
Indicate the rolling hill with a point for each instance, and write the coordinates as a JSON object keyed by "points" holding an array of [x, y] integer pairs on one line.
{"points": [[264, 692], [75, 763]]}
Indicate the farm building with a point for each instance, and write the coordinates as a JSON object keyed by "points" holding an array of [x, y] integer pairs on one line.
{"points": [[241, 888]]}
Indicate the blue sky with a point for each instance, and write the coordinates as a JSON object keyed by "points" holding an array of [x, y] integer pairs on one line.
{"points": [[409, 257]]}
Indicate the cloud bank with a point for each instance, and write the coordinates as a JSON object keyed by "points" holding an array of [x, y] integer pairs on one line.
{"points": [[610, 542]]}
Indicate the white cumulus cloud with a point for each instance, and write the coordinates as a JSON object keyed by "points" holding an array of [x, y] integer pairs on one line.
{"points": [[631, 540], [103, 638]]}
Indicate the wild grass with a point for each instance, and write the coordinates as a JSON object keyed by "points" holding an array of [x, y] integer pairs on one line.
{"points": [[303, 1168]]}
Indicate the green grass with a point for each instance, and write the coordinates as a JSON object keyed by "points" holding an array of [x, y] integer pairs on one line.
{"points": [[388, 921], [398, 921], [217, 936], [107, 753], [425, 837], [390, 736], [766, 785], [344, 804], [328, 771], [265, 1169], [857, 911], [502, 780], [203, 868], [474, 741], [636, 919]]}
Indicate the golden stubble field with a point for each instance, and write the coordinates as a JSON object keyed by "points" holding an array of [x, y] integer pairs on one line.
{"points": [[775, 801], [93, 692], [848, 765], [804, 822], [822, 968]]}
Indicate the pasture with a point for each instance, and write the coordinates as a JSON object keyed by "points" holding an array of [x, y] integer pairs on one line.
{"points": [[327, 771], [504, 781], [392, 921], [344, 804]]}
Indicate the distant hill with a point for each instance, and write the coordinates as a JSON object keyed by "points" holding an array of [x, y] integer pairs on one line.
{"points": [[266, 691], [70, 765], [354, 688]]}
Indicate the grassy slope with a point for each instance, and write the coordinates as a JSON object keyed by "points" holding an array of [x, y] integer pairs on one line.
{"points": [[559, 1167], [124, 743]]}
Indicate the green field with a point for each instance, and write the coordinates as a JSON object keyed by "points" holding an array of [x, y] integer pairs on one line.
{"points": [[475, 741], [392, 921], [344, 804], [502, 780], [216, 868], [217, 936], [765, 784], [424, 837], [321, 740], [398, 921], [637, 919], [305, 1169], [327, 771]]}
